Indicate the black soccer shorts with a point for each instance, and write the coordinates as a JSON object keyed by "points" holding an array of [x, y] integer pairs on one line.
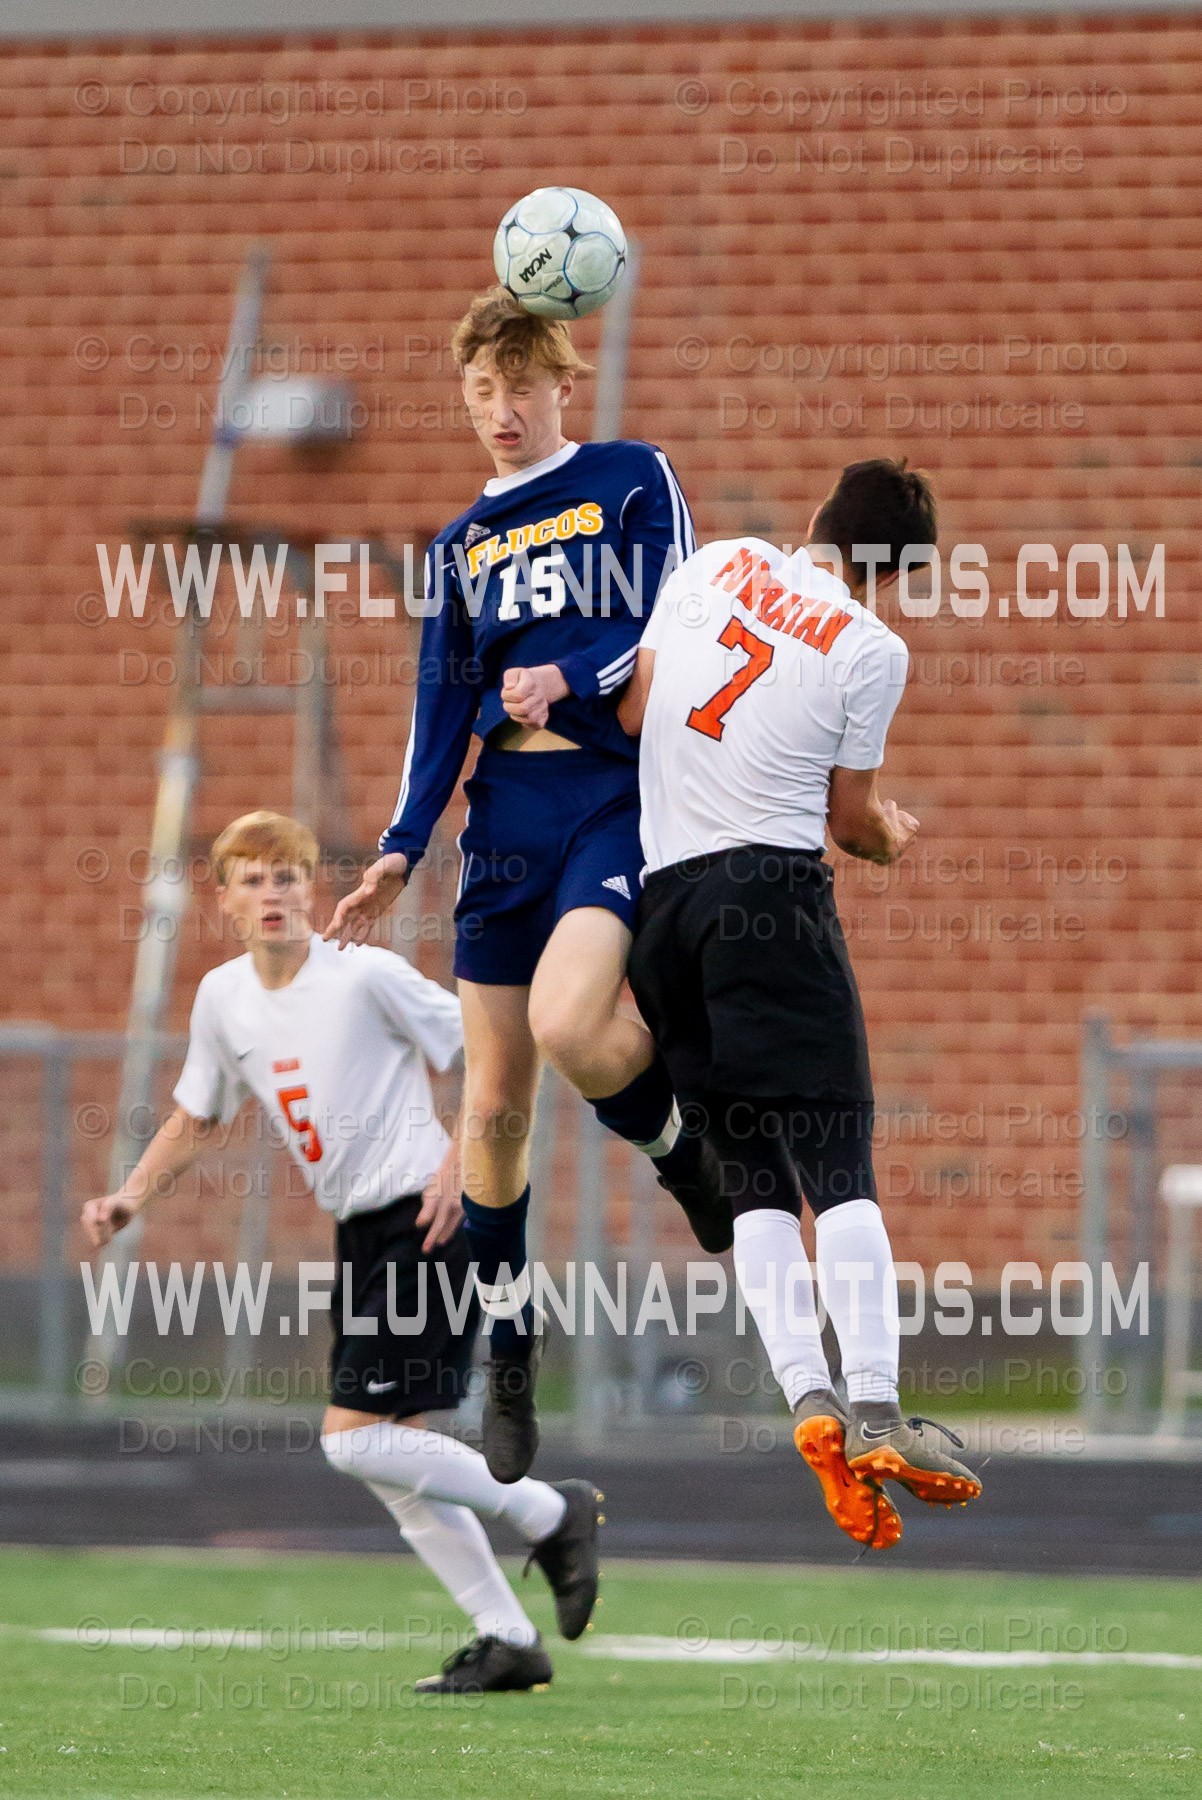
{"points": [[392, 1373], [740, 969]]}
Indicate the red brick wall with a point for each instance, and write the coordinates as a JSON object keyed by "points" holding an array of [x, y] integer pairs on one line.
{"points": [[841, 228]]}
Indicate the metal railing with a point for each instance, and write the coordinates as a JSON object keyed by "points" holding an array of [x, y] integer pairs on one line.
{"points": [[600, 1389], [1142, 1062], [58, 1052], [576, 1173]]}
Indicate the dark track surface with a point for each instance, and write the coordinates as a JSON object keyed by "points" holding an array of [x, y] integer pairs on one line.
{"points": [[83, 1485]]}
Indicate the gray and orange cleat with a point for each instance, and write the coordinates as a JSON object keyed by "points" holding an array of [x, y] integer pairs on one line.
{"points": [[882, 1446], [857, 1503]]}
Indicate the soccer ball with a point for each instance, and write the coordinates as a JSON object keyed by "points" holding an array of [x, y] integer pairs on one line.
{"points": [[560, 252]]}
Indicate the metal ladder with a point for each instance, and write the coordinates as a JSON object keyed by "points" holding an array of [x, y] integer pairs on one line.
{"points": [[318, 786]]}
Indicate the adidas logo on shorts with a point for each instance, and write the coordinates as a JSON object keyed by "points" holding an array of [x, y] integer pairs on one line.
{"points": [[619, 884]]}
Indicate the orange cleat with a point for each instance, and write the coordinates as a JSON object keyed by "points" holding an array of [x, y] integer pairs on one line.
{"points": [[858, 1504]]}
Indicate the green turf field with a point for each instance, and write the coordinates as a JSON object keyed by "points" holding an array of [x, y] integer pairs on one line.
{"points": [[81, 1716]]}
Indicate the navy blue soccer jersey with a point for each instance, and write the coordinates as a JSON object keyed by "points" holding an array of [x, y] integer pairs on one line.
{"points": [[559, 564]]}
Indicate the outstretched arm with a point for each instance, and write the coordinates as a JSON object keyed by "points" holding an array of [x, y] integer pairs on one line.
{"points": [[446, 701], [173, 1149]]}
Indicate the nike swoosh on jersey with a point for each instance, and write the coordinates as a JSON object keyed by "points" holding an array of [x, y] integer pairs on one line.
{"points": [[379, 1387]]}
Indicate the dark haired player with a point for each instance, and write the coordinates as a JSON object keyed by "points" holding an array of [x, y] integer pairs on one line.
{"points": [[537, 599], [764, 690]]}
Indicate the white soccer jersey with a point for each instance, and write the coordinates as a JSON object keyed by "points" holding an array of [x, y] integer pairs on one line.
{"points": [[767, 675], [338, 1061]]}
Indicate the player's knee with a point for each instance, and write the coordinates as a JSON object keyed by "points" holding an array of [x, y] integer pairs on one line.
{"points": [[830, 1200], [759, 1184], [494, 1116], [560, 1029], [751, 1197], [338, 1447]]}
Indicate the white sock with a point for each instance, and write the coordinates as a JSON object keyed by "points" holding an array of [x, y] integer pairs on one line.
{"points": [[859, 1287], [777, 1285], [451, 1542], [432, 1466]]}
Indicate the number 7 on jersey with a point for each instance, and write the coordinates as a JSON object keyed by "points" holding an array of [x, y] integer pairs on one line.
{"points": [[709, 719]]}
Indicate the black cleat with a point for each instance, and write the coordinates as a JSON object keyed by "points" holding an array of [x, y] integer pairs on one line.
{"points": [[510, 1423], [488, 1665], [696, 1185], [568, 1558]]}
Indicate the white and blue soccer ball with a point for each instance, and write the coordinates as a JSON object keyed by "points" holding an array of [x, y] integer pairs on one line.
{"points": [[560, 252]]}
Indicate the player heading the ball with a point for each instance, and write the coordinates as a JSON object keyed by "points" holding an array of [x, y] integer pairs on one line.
{"points": [[526, 646]]}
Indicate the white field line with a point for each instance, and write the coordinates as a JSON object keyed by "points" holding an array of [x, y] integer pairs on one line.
{"points": [[666, 1649], [94, 1636], [97, 1636]]}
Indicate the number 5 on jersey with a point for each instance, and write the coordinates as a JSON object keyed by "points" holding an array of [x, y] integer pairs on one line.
{"points": [[306, 1129], [547, 591], [709, 719]]}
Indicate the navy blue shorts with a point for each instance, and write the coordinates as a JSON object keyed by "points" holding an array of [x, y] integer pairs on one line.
{"points": [[547, 831]]}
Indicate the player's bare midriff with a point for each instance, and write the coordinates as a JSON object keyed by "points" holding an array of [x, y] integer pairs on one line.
{"points": [[528, 737]]}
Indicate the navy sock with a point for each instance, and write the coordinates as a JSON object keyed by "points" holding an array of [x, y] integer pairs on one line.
{"points": [[639, 1111], [496, 1238]]}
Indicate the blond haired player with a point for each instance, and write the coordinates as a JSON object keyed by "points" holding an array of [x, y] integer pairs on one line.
{"points": [[764, 690], [537, 597], [326, 1044]]}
